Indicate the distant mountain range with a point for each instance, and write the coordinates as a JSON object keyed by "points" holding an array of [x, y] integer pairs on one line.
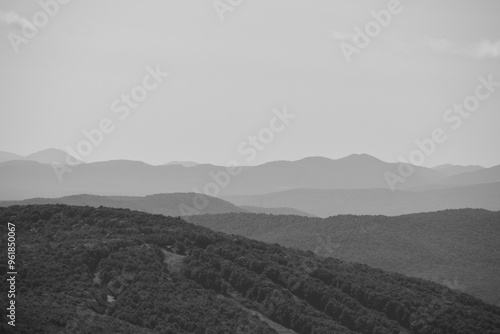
{"points": [[451, 170], [45, 157], [22, 179], [482, 176], [457, 248]]}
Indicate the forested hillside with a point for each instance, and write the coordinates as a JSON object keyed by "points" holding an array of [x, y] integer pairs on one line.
{"points": [[457, 248], [102, 270]]}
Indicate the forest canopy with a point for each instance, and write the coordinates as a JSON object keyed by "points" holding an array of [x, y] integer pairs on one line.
{"points": [[102, 270]]}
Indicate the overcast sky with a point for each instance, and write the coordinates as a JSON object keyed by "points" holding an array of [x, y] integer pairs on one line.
{"points": [[226, 77]]}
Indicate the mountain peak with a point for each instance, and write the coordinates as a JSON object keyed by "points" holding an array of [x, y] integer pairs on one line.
{"points": [[186, 164], [362, 157], [353, 157], [47, 151], [48, 156], [315, 159]]}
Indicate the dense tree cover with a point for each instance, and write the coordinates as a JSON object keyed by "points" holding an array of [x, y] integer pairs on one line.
{"points": [[457, 248], [102, 270]]}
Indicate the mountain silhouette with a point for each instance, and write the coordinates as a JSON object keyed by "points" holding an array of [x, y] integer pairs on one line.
{"points": [[47, 156], [486, 175], [451, 170], [25, 179]]}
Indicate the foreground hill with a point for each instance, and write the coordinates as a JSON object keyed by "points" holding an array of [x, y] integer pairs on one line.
{"points": [[325, 203], [178, 204], [102, 270], [457, 248]]}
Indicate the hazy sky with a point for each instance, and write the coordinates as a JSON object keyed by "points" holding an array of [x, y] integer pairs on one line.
{"points": [[226, 77]]}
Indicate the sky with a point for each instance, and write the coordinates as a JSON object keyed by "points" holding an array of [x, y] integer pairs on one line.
{"points": [[234, 66]]}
